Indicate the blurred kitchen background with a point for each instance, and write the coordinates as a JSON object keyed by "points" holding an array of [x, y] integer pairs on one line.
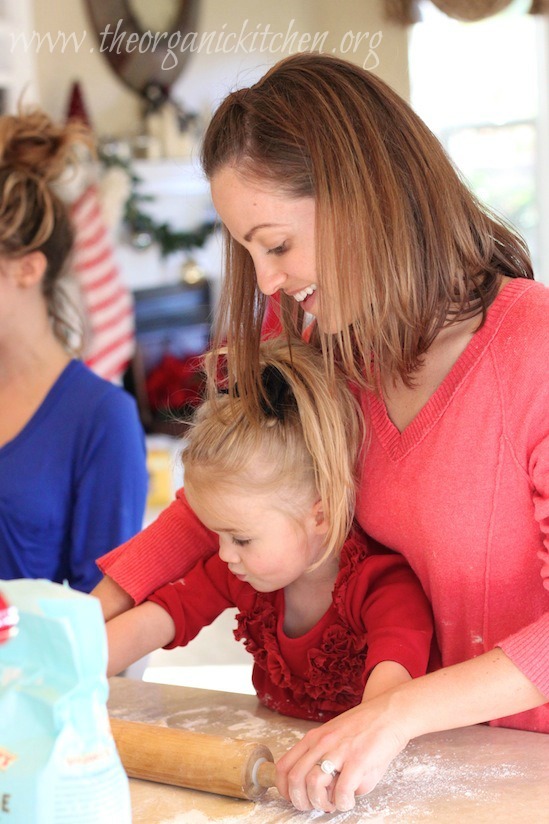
{"points": [[475, 70]]}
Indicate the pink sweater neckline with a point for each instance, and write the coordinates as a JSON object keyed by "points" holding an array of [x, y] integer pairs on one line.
{"points": [[398, 444]]}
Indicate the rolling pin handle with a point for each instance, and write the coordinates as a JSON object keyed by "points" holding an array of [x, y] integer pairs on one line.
{"points": [[263, 773]]}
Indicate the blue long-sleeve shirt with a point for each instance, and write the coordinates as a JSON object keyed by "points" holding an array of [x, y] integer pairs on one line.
{"points": [[73, 482]]}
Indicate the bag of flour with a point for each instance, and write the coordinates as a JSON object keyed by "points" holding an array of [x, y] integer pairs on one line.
{"points": [[58, 760]]}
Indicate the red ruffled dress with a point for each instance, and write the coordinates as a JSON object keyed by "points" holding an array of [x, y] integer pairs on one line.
{"points": [[378, 612]]}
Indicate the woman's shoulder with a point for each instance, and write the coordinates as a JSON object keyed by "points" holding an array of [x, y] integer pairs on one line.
{"points": [[515, 374], [520, 322], [88, 390], [522, 307], [97, 409]]}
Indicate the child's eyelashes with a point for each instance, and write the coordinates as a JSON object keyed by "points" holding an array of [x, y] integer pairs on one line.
{"points": [[241, 541]]}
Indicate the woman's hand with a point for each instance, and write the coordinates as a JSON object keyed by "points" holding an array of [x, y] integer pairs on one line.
{"points": [[361, 743]]}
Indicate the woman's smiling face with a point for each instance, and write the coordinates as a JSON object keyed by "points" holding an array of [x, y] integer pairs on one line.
{"points": [[278, 232]]}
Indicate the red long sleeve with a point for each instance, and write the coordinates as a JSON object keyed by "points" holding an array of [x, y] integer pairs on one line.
{"points": [[162, 552], [378, 613]]}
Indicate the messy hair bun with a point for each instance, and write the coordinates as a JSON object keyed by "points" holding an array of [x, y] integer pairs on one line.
{"points": [[34, 153], [31, 143]]}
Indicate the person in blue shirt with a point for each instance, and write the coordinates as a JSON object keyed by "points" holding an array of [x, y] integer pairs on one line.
{"points": [[73, 477]]}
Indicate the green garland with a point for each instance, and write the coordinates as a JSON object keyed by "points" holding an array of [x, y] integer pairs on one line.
{"points": [[143, 230]]}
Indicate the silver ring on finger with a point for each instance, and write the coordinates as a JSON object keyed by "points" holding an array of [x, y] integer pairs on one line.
{"points": [[328, 767]]}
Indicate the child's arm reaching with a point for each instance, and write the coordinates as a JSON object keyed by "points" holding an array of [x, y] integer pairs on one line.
{"points": [[385, 676], [137, 632]]}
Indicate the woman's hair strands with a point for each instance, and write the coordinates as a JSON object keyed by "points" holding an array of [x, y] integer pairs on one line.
{"points": [[403, 246]]}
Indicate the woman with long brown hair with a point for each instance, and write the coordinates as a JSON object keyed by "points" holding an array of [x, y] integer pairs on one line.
{"points": [[336, 198]]}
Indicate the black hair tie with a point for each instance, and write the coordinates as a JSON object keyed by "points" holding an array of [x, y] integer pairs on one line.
{"points": [[276, 389]]}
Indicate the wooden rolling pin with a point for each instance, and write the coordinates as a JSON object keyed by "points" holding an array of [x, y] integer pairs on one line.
{"points": [[228, 766]]}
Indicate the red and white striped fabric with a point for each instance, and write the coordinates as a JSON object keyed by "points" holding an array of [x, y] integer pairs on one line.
{"points": [[107, 302]]}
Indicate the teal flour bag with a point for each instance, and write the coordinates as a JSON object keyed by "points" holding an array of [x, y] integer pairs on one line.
{"points": [[58, 760]]}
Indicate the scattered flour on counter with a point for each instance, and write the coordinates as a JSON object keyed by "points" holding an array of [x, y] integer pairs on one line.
{"points": [[213, 720], [414, 786], [250, 726], [250, 723], [197, 817], [411, 788], [190, 817], [186, 719], [211, 717]]}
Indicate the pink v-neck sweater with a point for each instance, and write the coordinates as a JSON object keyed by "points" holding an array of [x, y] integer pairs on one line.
{"points": [[462, 493]]}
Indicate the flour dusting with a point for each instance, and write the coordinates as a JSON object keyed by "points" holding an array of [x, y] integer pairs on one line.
{"points": [[197, 817], [250, 726], [213, 720], [448, 774], [411, 786], [410, 791]]}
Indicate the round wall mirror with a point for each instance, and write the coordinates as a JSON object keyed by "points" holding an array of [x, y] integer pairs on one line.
{"points": [[144, 42]]}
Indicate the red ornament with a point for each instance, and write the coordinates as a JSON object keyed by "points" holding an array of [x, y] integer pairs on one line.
{"points": [[77, 109]]}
